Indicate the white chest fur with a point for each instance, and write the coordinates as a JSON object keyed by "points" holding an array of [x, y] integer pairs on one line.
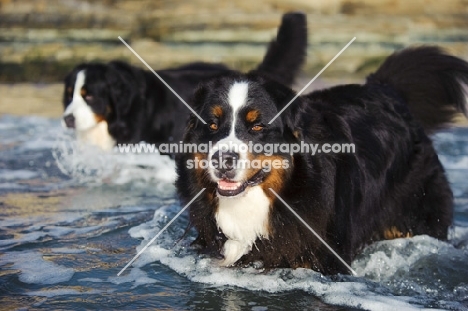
{"points": [[242, 219], [98, 135]]}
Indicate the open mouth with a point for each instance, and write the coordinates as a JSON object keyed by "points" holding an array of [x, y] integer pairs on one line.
{"points": [[229, 188]]}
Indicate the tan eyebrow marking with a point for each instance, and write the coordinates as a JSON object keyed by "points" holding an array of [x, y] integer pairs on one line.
{"points": [[252, 115], [217, 111], [69, 90], [83, 92]]}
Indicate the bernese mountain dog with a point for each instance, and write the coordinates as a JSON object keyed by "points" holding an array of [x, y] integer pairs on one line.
{"points": [[392, 186], [114, 103]]}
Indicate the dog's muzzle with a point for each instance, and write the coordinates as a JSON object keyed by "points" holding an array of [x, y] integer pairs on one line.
{"points": [[226, 165]]}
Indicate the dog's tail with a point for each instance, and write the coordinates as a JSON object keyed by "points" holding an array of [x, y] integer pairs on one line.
{"points": [[430, 81], [286, 54]]}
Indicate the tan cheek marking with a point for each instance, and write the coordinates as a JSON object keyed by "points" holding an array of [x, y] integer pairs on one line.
{"points": [[276, 176], [217, 111], [99, 118], [275, 180], [252, 115]]}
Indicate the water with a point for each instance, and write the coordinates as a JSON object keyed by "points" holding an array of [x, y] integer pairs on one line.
{"points": [[71, 218]]}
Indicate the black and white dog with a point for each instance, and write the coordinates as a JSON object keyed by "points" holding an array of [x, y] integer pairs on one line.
{"points": [[117, 103], [392, 186]]}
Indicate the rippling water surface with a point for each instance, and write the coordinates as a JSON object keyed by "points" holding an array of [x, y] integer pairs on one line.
{"points": [[72, 218]]}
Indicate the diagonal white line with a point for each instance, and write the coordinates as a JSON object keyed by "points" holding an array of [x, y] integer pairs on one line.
{"points": [[160, 232], [308, 84], [315, 233], [164, 82]]}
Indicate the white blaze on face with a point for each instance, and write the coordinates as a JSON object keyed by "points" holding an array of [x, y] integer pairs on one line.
{"points": [[84, 116], [237, 98]]}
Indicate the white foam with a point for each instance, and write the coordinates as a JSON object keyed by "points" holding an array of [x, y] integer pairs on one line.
{"points": [[386, 270], [35, 270], [352, 293], [88, 164], [384, 259]]}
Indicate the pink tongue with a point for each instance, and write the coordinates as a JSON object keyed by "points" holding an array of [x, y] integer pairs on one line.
{"points": [[228, 185]]}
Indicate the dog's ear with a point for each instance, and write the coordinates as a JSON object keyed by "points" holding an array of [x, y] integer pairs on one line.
{"points": [[125, 95], [199, 97], [282, 96], [191, 124], [68, 88], [197, 103]]}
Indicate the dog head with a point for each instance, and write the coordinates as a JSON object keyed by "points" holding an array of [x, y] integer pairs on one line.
{"points": [[85, 97], [97, 100], [245, 147]]}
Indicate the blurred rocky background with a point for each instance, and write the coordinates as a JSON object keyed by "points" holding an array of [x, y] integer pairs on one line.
{"points": [[41, 40]]}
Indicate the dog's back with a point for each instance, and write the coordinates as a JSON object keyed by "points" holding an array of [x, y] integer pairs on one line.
{"points": [[394, 185]]}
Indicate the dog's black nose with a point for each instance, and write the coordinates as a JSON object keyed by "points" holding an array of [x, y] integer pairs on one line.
{"points": [[224, 161], [69, 120]]}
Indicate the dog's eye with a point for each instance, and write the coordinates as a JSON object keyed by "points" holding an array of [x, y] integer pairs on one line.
{"points": [[257, 127], [88, 97], [214, 126]]}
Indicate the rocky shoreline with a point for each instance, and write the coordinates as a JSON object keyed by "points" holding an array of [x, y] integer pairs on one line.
{"points": [[40, 41]]}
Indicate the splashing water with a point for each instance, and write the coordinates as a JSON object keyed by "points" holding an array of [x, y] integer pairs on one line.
{"points": [[89, 164], [73, 216]]}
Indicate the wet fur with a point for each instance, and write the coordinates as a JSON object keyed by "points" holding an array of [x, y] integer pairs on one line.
{"points": [[393, 183]]}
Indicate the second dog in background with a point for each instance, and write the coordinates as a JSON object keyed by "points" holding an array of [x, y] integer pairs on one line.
{"points": [[114, 103]]}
